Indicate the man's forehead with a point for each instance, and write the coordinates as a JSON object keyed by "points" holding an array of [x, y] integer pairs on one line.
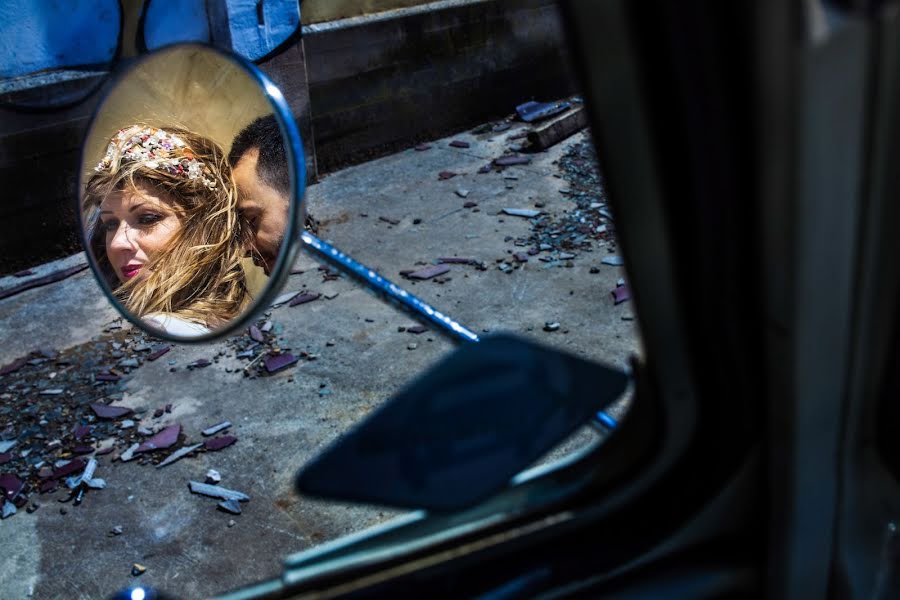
{"points": [[246, 172], [247, 161], [254, 191]]}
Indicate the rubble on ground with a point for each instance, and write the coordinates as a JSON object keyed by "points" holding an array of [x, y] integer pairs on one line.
{"points": [[60, 414]]}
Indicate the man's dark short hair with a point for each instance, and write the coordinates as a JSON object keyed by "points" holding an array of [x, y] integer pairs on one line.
{"points": [[272, 165]]}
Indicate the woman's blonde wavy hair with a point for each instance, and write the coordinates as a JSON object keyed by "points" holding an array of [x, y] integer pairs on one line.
{"points": [[198, 277]]}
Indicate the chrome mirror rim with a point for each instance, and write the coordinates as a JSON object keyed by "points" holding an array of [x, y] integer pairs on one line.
{"points": [[297, 167]]}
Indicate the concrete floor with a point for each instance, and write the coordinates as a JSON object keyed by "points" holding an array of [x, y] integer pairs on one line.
{"points": [[282, 421]]}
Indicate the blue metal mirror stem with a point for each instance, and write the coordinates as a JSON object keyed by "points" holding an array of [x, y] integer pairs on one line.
{"points": [[387, 290], [394, 294]]}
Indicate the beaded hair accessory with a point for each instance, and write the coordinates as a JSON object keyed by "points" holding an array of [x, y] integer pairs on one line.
{"points": [[157, 149]]}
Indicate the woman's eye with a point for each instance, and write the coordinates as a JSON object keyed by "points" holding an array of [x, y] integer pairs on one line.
{"points": [[150, 219], [108, 226]]}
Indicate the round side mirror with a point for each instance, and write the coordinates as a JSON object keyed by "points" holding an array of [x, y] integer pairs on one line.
{"points": [[190, 192]]}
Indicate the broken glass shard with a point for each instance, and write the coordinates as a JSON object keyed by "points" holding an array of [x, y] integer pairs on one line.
{"points": [[178, 455], [107, 411], [95, 483], [129, 454], [215, 491], [282, 298], [303, 299], [216, 428], [71, 467], [81, 431], [522, 212], [164, 439], [11, 485], [429, 272], [278, 362], [219, 442], [621, 294]]}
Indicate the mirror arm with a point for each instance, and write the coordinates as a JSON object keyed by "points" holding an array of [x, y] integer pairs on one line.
{"points": [[387, 290]]}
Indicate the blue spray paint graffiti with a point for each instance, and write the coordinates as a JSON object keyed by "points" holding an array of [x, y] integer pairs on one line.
{"points": [[256, 26], [37, 35], [170, 21]]}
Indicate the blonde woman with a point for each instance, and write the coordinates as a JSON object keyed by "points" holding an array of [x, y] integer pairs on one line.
{"points": [[161, 215]]}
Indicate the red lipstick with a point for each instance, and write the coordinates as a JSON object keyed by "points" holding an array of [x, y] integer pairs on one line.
{"points": [[129, 271]]}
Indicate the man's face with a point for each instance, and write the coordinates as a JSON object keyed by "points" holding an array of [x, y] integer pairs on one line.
{"points": [[263, 206]]}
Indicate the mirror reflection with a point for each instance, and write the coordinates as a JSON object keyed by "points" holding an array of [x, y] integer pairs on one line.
{"points": [[162, 216], [185, 199]]}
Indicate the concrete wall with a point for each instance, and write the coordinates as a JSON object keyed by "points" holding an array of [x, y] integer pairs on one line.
{"points": [[383, 85]]}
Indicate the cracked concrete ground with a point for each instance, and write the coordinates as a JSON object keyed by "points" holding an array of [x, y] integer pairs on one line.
{"points": [[282, 421]]}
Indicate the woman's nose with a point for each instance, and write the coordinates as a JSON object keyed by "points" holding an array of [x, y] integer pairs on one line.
{"points": [[121, 239]]}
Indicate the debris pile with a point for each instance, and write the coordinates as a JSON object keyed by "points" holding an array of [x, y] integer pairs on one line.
{"points": [[59, 415], [560, 238], [591, 221], [261, 346]]}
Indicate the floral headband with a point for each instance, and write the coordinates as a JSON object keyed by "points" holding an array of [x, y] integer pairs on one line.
{"points": [[157, 149]]}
